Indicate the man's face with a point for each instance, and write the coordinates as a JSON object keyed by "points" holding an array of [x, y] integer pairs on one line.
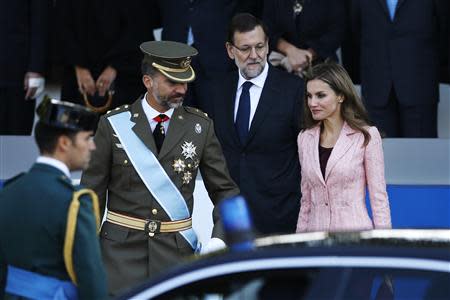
{"points": [[164, 94], [79, 151], [249, 52]]}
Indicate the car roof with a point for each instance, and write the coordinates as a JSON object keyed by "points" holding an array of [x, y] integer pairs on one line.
{"points": [[426, 250]]}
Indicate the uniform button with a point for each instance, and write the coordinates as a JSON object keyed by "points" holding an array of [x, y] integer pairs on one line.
{"points": [[326, 204], [154, 211], [125, 161]]}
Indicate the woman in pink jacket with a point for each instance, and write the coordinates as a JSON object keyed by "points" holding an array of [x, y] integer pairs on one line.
{"points": [[340, 155]]}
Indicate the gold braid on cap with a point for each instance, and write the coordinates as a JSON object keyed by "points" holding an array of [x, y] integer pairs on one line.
{"points": [[160, 67], [72, 215]]}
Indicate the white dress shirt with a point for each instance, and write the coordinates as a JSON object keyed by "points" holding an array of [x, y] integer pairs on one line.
{"points": [[150, 112], [255, 92]]}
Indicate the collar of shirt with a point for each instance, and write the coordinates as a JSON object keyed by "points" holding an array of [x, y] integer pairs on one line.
{"points": [[54, 163], [150, 112], [255, 91]]}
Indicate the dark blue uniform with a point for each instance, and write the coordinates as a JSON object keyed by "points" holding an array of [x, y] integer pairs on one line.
{"points": [[33, 218]]}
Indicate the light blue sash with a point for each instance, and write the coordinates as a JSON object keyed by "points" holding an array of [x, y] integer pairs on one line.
{"points": [[152, 173], [31, 285]]}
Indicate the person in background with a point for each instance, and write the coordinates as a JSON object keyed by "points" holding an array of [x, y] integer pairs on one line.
{"points": [[24, 31], [48, 226], [304, 32], [147, 159], [399, 43], [341, 156], [99, 40], [257, 111], [203, 24]]}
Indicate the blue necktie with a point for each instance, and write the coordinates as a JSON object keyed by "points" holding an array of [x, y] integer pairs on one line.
{"points": [[392, 5], [243, 113]]}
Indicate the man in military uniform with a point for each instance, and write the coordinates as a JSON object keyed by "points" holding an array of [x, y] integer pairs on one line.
{"points": [[147, 158], [48, 227]]}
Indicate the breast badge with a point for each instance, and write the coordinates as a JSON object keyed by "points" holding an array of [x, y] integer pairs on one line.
{"points": [[188, 164]]}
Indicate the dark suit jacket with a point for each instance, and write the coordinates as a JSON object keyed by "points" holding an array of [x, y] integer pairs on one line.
{"points": [[24, 39], [209, 21], [266, 168], [319, 26], [33, 217], [403, 52], [131, 256], [95, 34]]}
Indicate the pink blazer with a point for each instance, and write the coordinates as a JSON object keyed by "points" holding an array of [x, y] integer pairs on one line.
{"points": [[338, 202]]}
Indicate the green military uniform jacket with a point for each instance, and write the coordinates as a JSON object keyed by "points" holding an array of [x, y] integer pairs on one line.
{"points": [[33, 214], [130, 255]]}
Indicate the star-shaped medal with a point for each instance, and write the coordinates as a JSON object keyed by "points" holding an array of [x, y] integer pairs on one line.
{"points": [[188, 150], [187, 177], [178, 165]]}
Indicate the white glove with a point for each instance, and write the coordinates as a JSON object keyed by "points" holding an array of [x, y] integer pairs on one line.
{"points": [[214, 244]]}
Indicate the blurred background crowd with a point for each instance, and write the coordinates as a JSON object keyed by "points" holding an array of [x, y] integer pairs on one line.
{"points": [[87, 51]]}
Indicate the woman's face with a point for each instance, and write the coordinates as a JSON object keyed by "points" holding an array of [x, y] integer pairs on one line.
{"points": [[323, 102]]}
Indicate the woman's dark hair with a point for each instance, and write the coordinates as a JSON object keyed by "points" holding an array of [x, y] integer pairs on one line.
{"points": [[352, 108]]}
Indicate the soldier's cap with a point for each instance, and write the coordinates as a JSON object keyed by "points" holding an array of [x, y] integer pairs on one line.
{"points": [[66, 115], [172, 59]]}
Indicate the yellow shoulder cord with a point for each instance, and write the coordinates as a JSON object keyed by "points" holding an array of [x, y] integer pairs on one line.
{"points": [[72, 224]]}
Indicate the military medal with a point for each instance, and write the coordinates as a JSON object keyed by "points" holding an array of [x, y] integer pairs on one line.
{"points": [[178, 165], [188, 150], [298, 7], [198, 128], [187, 177]]}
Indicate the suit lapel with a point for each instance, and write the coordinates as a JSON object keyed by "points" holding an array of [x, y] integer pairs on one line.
{"points": [[142, 127], [229, 102], [400, 2], [385, 8], [315, 146], [266, 101], [175, 132], [343, 143]]}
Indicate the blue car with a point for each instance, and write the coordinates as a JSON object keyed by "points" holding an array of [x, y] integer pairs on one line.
{"points": [[379, 264]]}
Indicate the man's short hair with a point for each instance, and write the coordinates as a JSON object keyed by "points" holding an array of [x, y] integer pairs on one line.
{"points": [[244, 22], [46, 136], [148, 69]]}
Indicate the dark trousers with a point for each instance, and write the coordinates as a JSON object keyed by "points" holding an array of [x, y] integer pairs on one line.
{"points": [[409, 121], [16, 113]]}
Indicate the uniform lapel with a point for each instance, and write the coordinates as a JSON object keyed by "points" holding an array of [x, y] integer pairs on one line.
{"points": [[315, 146], [142, 127], [176, 130], [343, 143]]}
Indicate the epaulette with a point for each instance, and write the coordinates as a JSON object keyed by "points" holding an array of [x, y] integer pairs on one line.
{"points": [[66, 181], [12, 179], [196, 112], [118, 109]]}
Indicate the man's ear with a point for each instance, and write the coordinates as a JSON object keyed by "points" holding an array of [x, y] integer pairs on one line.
{"points": [[148, 82], [230, 50], [63, 143]]}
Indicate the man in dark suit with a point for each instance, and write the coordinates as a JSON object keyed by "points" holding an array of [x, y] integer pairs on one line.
{"points": [[203, 24], [149, 178], [399, 65], [257, 119], [48, 226], [23, 52]]}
